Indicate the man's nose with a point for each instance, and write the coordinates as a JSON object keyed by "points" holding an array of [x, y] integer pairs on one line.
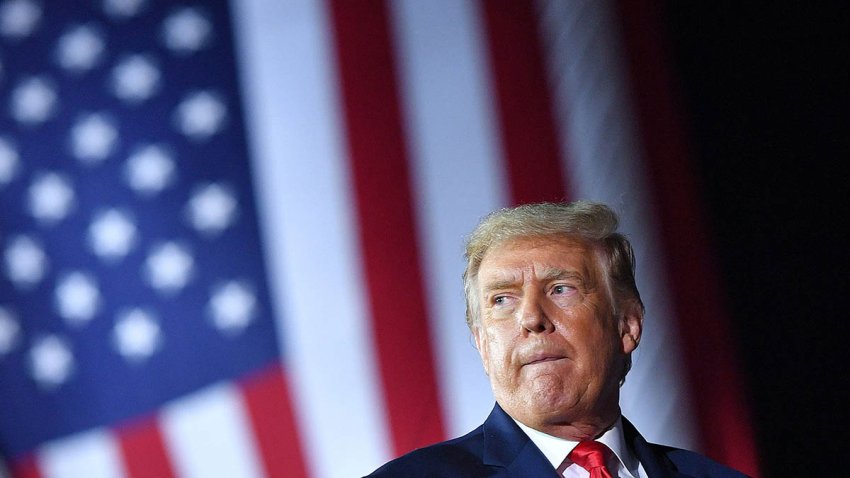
{"points": [[533, 316]]}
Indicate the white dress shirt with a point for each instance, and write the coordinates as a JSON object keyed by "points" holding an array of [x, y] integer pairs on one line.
{"points": [[556, 450]]}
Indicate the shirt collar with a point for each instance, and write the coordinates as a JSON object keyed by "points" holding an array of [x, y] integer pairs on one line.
{"points": [[556, 449]]}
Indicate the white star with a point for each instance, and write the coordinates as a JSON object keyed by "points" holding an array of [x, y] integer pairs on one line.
{"points": [[136, 335], [33, 101], [112, 234], [211, 209], [186, 31], [51, 361], [9, 161], [77, 298], [122, 9], [18, 18], [135, 79], [232, 306], [200, 115], [50, 197], [169, 267], [9, 331], [150, 169], [26, 262], [93, 138], [80, 49]]}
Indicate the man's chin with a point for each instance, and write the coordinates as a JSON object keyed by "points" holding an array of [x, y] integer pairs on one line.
{"points": [[549, 407]]}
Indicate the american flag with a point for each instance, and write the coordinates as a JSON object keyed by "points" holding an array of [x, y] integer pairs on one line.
{"points": [[231, 234]]}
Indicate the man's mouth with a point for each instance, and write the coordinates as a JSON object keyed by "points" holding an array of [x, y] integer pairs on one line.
{"points": [[543, 358]]}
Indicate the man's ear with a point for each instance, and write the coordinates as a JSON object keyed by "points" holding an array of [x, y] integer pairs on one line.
{"points": [[631, 325], [476, 331]]}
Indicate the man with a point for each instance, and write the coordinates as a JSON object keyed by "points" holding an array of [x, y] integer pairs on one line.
{"points": [[555, 313]]}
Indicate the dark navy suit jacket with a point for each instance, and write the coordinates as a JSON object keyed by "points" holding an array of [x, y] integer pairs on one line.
{"points": [[499, 448]]}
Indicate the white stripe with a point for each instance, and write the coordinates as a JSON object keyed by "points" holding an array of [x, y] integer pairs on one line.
{"points": [[599, 133], [208, 435], [311, 243], [458, 177], [93, 454]]}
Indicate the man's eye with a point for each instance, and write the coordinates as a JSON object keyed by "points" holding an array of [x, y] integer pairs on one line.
{"points": [[499, 300], [561, 289]]}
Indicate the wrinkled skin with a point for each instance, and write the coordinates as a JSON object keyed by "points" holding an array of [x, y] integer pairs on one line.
{"points": [[548, 336]]}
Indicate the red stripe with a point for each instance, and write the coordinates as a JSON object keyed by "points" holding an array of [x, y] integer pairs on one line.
{"points": [[270, 408], [26, 467], [529, 135], [379, 167], [143, 449], [715, 378]]}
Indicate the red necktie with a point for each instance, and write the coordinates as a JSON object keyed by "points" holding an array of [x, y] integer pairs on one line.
{"points": [[590, 455]]}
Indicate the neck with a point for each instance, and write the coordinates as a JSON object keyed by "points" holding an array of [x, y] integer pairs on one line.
{"points": [[582, 428], [578, 431]]}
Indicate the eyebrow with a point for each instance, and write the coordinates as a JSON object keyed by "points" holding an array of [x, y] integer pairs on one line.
{"points": [[549, 274], [499, 284]]}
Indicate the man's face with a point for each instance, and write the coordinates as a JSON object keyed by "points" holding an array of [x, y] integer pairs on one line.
{"points": [[548, 337]]}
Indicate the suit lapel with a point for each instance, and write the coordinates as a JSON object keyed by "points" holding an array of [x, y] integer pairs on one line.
{"points": [[655, 465], [507, 446]]}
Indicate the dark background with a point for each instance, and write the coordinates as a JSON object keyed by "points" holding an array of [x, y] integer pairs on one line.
{"points": [[764, 90]]}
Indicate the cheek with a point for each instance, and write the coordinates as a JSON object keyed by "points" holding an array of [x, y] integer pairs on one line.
{"points": [[596, 344], [495, 353]]}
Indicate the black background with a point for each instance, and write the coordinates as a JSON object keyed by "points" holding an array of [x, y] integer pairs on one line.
{"points": [[764, 90]]}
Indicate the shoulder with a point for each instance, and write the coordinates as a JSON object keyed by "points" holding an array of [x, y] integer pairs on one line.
{"points": [[657, 458], [458, 457], [694, 464]]}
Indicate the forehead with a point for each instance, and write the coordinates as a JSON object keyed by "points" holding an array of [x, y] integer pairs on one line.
{"points": [[540, 254]]}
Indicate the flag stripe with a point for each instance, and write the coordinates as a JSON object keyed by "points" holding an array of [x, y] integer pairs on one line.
{"points": [[584, 59], [725, 426], [143, 450], [378, 159], [459, 176], [309, 233], [209, 434], [267, 399], [25, 468], [94, 454], [529, 137]]}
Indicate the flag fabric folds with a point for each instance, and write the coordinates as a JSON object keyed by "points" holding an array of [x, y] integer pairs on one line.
{"points": [[231, 234]]}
